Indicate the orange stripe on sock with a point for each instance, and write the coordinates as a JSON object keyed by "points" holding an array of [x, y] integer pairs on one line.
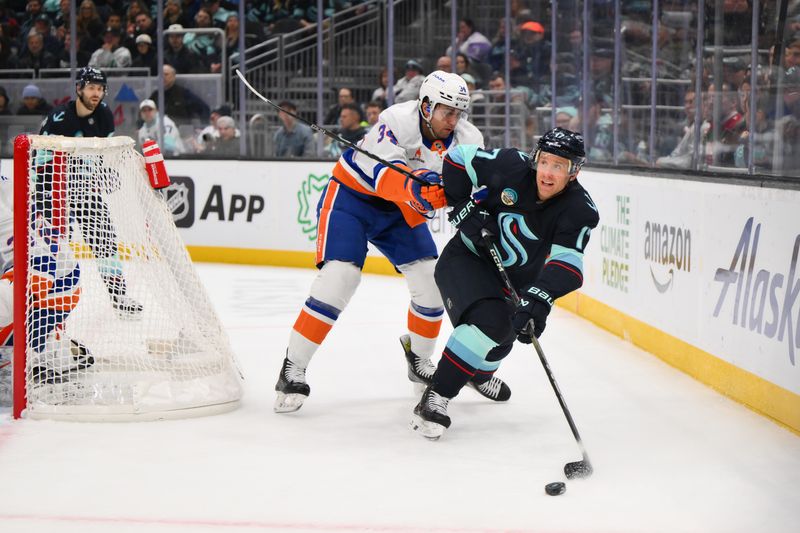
{"points": [[424, 328], [311, 328]]}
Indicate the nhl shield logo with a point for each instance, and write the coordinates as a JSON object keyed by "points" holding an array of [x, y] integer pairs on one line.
{"points": [[508, 196], [180, 201]]}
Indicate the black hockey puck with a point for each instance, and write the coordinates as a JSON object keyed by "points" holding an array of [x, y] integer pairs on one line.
{"points": [[556, 488]]}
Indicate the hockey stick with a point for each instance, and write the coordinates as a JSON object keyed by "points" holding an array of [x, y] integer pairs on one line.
{"points": [[331, 134], [576, 469]]}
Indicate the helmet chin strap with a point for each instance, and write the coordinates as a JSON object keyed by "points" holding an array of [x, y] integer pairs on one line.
{"points": [[427, 120]]}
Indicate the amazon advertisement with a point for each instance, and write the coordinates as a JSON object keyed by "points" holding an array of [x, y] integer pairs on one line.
{"points": [[714, 265]]}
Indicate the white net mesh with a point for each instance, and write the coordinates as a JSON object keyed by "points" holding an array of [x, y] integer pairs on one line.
{"points": [[118, 323]]}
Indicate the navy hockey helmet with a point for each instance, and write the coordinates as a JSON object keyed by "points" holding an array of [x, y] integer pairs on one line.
{"points": [[564, 143], [88, 75]]}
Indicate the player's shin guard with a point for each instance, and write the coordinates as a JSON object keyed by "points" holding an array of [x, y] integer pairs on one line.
{"points": [[426, 310], [330, 293]]}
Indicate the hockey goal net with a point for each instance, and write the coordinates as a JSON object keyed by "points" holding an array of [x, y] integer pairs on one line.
{"points": [[110, 318]]}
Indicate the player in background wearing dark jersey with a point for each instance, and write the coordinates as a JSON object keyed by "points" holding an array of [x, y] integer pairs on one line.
{"points": [[541, 218], [88, 116]]}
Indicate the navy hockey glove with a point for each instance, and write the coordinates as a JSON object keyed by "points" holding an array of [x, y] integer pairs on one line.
{"points": [[535, 304], [424, 198], [470, 218]]}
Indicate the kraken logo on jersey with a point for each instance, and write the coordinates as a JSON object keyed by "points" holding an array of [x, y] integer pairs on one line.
{"points": [[512, 227]]}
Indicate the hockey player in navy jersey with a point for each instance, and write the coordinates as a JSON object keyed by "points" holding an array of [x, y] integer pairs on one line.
{"points": [[541, 218], [89, 116], [366, 201]]}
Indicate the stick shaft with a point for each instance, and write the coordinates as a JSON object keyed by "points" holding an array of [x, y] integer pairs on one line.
{"points": [[331, 134], [488, 240]]}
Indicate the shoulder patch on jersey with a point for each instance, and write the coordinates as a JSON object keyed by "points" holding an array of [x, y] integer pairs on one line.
{"points": [[58, 117], [509, 196]]}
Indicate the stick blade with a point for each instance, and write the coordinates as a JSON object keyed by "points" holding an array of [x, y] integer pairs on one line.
{"points": [[578, 469]]}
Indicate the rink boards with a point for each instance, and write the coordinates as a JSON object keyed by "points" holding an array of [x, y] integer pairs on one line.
{"points": [[702, 274]]}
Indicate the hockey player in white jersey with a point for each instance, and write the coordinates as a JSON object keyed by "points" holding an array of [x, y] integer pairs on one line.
{"points": [[54, 279], [366, 201]]}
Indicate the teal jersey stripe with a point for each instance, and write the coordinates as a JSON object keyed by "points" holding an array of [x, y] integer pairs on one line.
{"points": [[463, 154], [566, 255], [471, 345]]}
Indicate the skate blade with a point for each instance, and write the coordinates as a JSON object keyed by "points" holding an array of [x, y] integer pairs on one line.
{"points": [[288, 403], [419, 388], [429, 430]]}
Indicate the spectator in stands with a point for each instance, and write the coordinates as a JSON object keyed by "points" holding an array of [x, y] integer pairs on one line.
{"points": [[32, 102], [683, 154], [464, 66], [145, 24], [181, 104], [111, 54], [114, 20], [171, 144], [204, 44], [135, 7], [146, 56], [470, 42], [227, 144], [791, 57], [5, 103], [345, 97], [762, 132], [445, 64], [36, 57], [733, 71], [564, 116], [43, 26], [373, 111], [88, 20], [496, 56], [730, 125], [33, 9], [787, 128], [83, 54], [174, 14], [180, 57], [292, 138], [601, 66], [407, 87], [534, 50], [219, 15], [381, 92], [350, 129], [210, 133]]}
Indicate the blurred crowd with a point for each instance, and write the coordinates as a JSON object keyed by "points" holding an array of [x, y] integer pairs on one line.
{"points": [[120, 33]]}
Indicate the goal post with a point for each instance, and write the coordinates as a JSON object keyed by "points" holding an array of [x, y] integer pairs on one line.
{"points": [[111, 321]]}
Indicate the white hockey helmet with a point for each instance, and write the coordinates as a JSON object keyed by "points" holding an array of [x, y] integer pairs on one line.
{"points": [[445, 88]]}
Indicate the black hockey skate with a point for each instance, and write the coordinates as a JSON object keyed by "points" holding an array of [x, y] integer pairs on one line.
{"points": [[495, 389], [420, 371], [81, 360], [430, 415], [126, 306], [291, 387]]}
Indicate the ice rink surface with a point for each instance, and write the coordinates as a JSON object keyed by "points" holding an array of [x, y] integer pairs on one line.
{"points": [[670, 454]]}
